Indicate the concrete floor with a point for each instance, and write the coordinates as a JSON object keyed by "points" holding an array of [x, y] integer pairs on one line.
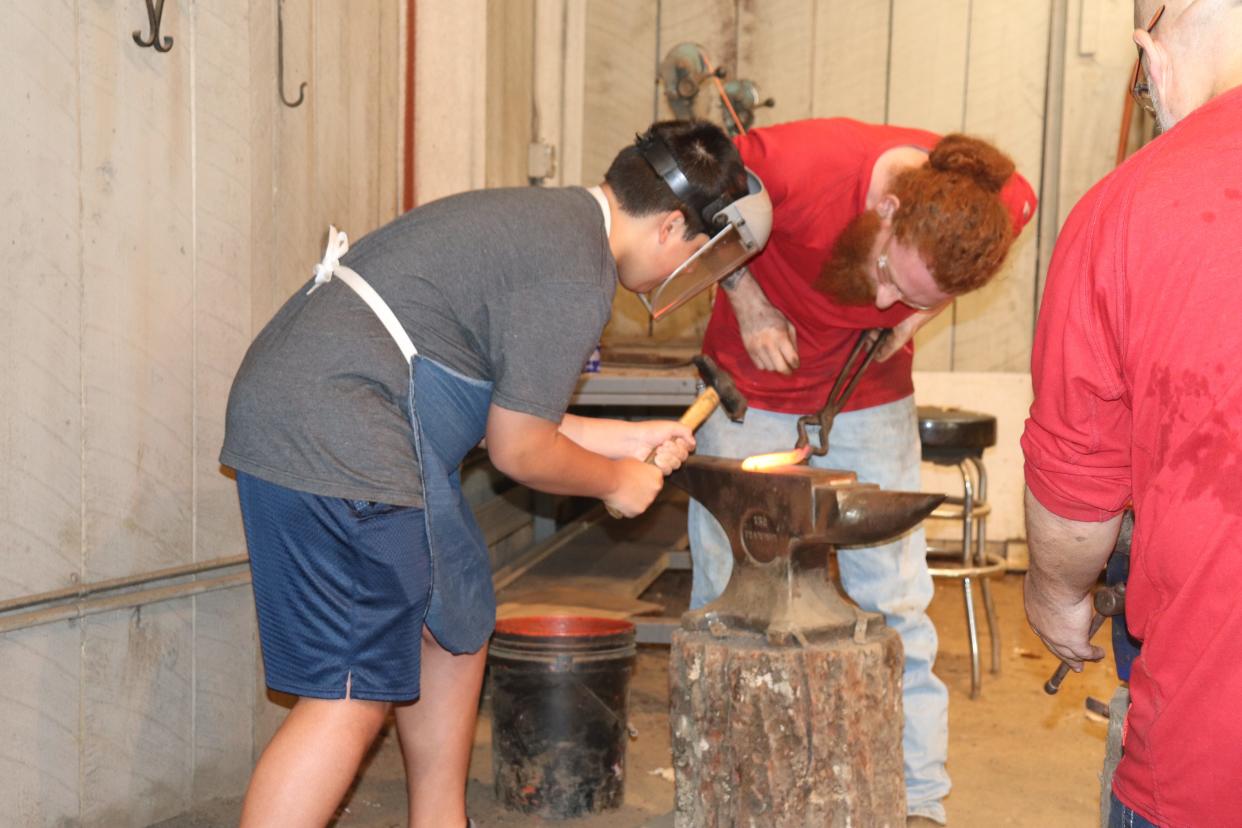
{"points": [[1017, 756]]}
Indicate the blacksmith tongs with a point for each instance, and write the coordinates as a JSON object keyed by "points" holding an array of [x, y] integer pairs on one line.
{"points": [[868, 344]]}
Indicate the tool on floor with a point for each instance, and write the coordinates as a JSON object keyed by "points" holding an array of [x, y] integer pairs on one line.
{"points": [[1108, 601], [719, 390], [868, 344]]}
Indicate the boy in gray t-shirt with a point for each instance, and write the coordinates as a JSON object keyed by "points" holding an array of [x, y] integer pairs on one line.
{"points": [[371, 579]]}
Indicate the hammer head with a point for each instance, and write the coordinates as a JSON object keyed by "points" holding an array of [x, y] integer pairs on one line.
{"points": [[731, 399]]}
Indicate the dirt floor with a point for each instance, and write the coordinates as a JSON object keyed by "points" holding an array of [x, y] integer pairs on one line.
{"points": [[1017, 756]]}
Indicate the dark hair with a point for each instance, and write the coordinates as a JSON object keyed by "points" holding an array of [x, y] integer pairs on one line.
{"points": [[951, 211], [706, 157]]}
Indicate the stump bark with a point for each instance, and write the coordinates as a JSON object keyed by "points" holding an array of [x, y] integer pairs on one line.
{"points": [[787, 737]]}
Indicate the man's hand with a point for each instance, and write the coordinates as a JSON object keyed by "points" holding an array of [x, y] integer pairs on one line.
{"points": [[770, 339], [904, 330], [1067, 557], [637, 485], [603, 458], [671, 441], [579, 456], [1061, 620]]}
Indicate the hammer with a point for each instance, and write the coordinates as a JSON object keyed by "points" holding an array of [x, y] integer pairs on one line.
{"points": [[719, 390], [1108, 601]]}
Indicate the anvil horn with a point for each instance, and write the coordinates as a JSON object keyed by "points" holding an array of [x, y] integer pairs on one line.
{"points": [[867, 515]]}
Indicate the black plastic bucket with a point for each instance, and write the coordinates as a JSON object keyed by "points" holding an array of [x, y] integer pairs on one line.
{"points": [[560, 687]]}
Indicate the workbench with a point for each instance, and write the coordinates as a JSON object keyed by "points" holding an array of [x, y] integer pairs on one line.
{"points": [[644, 379]]}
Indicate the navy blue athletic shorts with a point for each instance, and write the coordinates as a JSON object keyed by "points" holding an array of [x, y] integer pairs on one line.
{"points": [[341, 588]]}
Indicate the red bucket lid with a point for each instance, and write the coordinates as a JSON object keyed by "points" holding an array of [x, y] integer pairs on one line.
{"points": [[563, 626]]}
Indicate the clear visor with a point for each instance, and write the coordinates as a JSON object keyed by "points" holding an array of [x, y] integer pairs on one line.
{"points": [[725, 253], [749, 223]]}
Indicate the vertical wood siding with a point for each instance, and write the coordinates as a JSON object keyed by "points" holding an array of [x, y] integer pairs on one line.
{"points": [[162, 206]]}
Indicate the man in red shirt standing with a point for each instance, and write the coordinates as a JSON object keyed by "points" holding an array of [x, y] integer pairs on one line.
{"points": [[873, 226], [1137, 399]]}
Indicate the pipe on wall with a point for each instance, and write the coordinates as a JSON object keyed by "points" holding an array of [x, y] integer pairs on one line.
{"points": [[125, 600], [90, 599], [85, 590]]}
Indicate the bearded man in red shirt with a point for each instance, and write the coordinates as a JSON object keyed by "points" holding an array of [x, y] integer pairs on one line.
{"points": [[873, 226], [1137, 400]]}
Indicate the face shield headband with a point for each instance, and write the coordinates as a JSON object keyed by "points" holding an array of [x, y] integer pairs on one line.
{"points": [[744, 226]]}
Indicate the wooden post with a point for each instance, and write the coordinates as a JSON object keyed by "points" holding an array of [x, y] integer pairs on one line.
{"points": [[787, 736]]}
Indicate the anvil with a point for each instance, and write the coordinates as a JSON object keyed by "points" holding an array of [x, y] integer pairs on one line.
{"points": [[782, 524]]}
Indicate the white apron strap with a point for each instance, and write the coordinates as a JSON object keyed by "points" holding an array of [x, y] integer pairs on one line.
{"points": [[338, 245]]}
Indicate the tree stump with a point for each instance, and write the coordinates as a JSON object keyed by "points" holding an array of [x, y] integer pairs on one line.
{"points": [[779, 737]]}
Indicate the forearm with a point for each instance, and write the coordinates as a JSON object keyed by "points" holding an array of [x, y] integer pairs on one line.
{"points": [[534, 452], [1066, 556], [744, 292], [769, 338], [557, 463], [596, 434]]}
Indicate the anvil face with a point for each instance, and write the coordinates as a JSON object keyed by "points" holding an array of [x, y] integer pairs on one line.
{"points": [[782, 523]]}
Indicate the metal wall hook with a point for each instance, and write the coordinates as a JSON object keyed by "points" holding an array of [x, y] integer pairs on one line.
{"points": [[280, 58], [155, 14]]}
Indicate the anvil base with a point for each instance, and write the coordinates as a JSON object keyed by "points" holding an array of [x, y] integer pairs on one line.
{"points": [[787, 736]]}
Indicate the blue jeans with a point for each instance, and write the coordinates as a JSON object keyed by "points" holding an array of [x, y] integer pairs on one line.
{"points": [[881, 444], [1121, 815]]}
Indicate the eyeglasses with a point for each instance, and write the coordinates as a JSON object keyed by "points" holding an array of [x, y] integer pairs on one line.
{"points": [[1140, 85], [887, 278]]}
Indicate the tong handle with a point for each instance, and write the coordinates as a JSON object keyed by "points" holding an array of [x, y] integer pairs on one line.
{"points": [[868, 343]]}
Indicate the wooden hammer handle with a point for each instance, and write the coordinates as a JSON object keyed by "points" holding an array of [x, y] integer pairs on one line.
{"points": [[694, 416], [700, 409]]}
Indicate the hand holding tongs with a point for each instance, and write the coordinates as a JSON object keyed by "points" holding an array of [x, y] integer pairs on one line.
{"points": [[868, 344]]}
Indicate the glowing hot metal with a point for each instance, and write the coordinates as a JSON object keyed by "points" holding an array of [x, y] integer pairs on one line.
{"points": [[776, 460]]}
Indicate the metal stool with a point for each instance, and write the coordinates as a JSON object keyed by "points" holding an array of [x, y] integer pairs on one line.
{"points": [[957, 438]]}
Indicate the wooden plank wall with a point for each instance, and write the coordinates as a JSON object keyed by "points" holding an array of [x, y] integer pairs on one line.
{"points": [[850, 60], [1095, 77], [617, 101], [450, 109], [41, 416], [1005, 99], [510, 75], [948, 65], [162, 206]]}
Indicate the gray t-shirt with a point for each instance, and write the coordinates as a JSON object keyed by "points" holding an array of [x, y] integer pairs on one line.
{"points": [[512, 286]]}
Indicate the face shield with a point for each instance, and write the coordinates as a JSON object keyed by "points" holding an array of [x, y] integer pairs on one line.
{"points": [[745, 225]]}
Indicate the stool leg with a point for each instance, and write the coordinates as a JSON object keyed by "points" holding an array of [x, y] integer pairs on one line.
{"points": [[968, 553], [968, 513], [982, 560], [972, 632]]}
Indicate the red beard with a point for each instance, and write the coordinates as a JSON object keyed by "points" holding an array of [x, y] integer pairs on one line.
{"points": [[845, 277]]}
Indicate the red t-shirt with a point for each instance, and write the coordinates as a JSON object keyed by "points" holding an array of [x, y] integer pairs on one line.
{"points": [[1137, 395], [817, 173]]}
